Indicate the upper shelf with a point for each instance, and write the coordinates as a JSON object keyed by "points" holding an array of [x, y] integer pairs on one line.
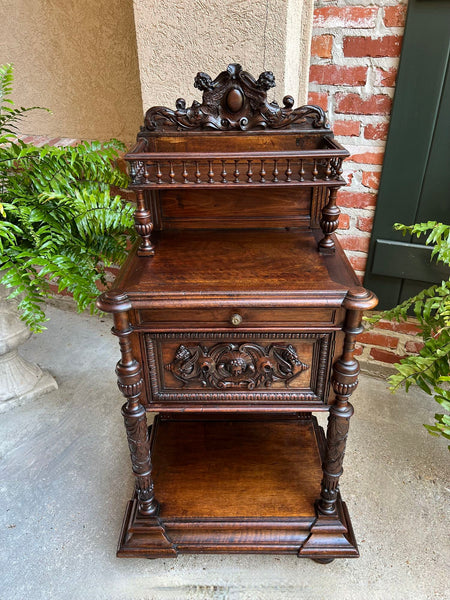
{"points": [[235, 169], [321, 166], [235, 138]]}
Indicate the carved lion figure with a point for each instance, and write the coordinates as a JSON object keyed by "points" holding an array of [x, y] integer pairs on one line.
{"points": [[203, 82], [266, 80]]}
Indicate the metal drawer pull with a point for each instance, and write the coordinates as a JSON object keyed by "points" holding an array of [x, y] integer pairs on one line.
{"points": [[236, 319]]}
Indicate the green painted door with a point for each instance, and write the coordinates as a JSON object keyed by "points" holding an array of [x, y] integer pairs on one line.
{"points": [[415, 181]]}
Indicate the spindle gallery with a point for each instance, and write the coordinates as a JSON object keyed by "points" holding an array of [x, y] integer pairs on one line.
{"points": [[237, 313]]}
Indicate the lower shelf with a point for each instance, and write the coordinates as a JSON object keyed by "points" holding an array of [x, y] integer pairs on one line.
{"points": [[237, 485]]}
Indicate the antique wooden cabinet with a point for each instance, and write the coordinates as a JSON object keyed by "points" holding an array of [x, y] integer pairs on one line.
{"points": [[237, 314]]}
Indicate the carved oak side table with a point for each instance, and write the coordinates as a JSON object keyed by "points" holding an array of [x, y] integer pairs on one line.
{"points": [[237, 315]]}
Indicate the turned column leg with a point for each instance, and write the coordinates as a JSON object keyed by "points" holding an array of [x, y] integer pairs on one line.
{"points": [[329, 223], [143, 225], [129, 379], [344, 381]]}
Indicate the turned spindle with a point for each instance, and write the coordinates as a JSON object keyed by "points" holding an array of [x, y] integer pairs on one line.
{"points": [[143, 225], [329, 223]]}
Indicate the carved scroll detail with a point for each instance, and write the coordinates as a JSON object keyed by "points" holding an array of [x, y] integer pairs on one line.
{"points": [[138, 443], [246, 365], [130, 382], [234, 100], [337, 433], [344, 381]]}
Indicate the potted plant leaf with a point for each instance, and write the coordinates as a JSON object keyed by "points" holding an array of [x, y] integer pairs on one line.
{"points": [[59, 222], [430, 368]]}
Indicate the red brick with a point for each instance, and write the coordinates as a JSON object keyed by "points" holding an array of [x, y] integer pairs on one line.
{"points": [[356, 199], [385, 356], [348, 177], [337, 75], [360, 17], [379, 104], [414, 347], [318, 98], [358, 261], [378, 339], [321, 46], [394, 16], [346, 127], [368, 158], [386, 77], [101, 286], [405, 327], [344, 221], [354, 242], [113, 269], [389, 45], [371, 179], [365, 223], [358, 350], [54, 290], [376, 131]]}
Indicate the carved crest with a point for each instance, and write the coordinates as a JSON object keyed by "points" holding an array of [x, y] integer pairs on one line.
{"points": [[234, 100]]}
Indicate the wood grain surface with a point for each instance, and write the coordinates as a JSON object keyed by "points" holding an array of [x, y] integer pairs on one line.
{"points": [[236, 468]]}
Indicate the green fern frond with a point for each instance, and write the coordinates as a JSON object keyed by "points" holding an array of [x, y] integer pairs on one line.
{"points": [[58, 221], [429, 369]]}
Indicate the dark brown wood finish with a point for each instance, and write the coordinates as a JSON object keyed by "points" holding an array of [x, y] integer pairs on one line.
{"points": [[130, 382], [237, 315]]}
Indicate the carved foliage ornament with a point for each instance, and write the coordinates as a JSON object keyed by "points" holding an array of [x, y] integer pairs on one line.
{"points": [[234, 100], [229, 365]]}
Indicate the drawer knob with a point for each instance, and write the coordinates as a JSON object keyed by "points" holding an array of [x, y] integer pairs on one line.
{"points": [[236, 319]]}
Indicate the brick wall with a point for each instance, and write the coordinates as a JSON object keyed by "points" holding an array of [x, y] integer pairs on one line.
{"points": [[355, 52], [387, 344], [354, 57]]}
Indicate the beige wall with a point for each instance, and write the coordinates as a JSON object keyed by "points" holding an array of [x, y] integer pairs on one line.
{"points": [[178, 38], [78, 58]]}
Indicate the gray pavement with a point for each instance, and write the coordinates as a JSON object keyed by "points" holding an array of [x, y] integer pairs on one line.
{"points": [[65, 479]]}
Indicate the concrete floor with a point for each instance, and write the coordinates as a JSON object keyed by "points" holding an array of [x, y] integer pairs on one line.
{"points": [[65, 480]]}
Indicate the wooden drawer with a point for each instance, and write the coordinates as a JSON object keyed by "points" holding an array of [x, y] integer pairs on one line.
{"points": [[235, 318], [228, 368]]}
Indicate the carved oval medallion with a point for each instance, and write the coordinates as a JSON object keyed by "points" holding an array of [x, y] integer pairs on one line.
{"points": [[235, 100]]}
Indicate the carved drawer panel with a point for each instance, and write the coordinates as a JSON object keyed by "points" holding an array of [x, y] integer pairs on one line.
{"points": [[235, 317], [235, 367]]}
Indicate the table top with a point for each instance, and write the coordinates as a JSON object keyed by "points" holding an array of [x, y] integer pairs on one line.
{"points": [[212, 267]]}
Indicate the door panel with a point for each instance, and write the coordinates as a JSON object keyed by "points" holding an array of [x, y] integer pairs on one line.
{"points": [[415, 181]]}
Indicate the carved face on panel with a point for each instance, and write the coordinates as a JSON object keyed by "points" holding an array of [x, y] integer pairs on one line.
{"points": [[235, 362]]}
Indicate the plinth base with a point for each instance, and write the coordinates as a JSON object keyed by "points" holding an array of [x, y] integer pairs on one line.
{"points": [[241, 485]]}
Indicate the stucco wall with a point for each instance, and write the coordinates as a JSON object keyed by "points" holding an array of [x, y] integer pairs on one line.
{"points": [[176, 39], [78, 58]]}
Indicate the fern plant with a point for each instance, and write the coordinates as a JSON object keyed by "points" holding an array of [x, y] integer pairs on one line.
{"points": [[430, 369], [58, 220]]}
